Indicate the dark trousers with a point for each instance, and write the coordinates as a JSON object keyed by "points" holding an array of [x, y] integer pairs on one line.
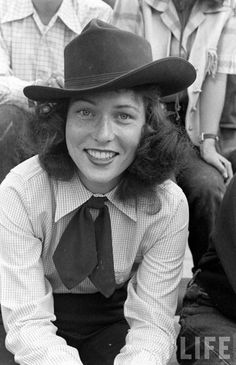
{"points": [[206, 336], [204, 188], [93, 324]]}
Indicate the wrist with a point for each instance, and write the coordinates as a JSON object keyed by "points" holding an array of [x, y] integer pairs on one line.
{"points": [[209, 137]]}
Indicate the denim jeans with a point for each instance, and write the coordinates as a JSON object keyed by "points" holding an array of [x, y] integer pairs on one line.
{"points": [[204, 188], [206, 336]]}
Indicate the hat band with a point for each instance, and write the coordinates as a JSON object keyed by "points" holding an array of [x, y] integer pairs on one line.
{"points": [[91, 80]]}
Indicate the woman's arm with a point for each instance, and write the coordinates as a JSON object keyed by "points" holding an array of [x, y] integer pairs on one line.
{"points": [[153, 291], [26, 294]]}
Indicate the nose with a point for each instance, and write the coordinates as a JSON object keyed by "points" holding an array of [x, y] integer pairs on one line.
{"points": [[104, 130]]}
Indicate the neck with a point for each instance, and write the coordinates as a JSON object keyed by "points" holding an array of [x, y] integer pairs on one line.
{"points": [[46, 9]]}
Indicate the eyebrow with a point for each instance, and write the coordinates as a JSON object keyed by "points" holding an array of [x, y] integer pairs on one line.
{"points": [[127, 106], [83, 99], [117, 106]]}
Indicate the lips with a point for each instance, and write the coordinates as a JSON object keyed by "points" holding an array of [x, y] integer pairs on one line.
{"points": [[101, 155]]}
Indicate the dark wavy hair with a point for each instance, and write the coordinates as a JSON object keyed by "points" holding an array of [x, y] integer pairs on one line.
{"points": [[14, 148], [162, 150]]}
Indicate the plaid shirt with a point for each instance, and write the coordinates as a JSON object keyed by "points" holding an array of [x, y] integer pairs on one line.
{"points": [[30, 50], [34, 211], [208, 41]]}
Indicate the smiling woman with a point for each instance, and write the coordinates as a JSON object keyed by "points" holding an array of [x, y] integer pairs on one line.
{"points": [[102, 134], [89, 273]]}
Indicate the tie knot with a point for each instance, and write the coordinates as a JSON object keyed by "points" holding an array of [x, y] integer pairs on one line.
{"points": [[96, 202]]}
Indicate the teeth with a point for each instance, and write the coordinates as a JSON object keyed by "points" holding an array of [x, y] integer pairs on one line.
{"points": [[101, 155]]}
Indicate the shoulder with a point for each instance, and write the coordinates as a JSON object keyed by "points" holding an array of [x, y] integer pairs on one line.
{"points": [[164, 215], [29, 169], [172, 197], [28, 179], [166, 200]]}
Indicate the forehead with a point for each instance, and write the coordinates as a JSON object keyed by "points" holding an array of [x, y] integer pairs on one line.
{"points": [[127, 96]]}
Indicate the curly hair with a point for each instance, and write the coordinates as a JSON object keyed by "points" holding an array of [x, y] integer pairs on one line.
{"points": [[14, 147], [159, 156]]}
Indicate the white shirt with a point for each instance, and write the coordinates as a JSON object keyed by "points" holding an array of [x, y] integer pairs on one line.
{"points": [[34, 211], [30, 50]]}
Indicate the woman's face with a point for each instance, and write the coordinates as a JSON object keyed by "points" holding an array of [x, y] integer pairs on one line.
{"points": [[103, 131]]}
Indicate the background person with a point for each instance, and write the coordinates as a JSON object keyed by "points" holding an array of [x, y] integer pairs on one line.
{"points": [[185, 28], [100, 139], [209, 310], [32, 41]]}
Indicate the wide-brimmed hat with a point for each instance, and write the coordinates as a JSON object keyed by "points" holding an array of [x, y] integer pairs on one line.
{"points": [[104, 57]]}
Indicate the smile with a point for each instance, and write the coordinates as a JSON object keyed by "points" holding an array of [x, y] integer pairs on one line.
{"points": [[101, 155]]}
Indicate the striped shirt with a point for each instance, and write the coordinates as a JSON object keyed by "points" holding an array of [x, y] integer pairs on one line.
{"points": [[30, 50], [34, 211]]}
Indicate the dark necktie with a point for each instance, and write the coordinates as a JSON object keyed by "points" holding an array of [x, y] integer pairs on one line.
{"points": [[85, 249]]}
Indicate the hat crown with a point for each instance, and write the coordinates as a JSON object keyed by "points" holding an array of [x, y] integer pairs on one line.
{"points": [[102, 49], [104, 58]]}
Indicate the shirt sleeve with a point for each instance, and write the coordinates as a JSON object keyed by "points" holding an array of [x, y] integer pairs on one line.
{"points": [[26, 295], [152, 296], [226, 47], [127, 15]]}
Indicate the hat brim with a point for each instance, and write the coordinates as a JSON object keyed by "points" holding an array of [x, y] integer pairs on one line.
{"points": [[170, 74]]}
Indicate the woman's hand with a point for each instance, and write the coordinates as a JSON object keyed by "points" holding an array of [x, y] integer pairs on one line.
{"points": [[210, 155]]}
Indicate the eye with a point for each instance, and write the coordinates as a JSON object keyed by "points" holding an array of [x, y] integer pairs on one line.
{"points": [[85, 113], [124, 116]]}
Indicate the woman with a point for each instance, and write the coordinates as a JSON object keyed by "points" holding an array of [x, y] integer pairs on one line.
{"points": [[185, 28], [94, 218]]}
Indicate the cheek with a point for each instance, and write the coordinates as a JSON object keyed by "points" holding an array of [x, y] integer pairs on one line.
{"points": [[74, 134], [131, 140]]}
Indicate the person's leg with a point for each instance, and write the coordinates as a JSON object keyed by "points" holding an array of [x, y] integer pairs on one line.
{"points": [[206, 336], [103, 347], [93, 324], [204, 188], [232, 158]]}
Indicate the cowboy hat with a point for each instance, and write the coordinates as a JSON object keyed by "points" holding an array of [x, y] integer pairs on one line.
{"points": [[104, 57]]}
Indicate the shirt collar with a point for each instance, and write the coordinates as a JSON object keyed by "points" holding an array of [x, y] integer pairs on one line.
{"points": [[16, 12], [69, 16], [162, 6], [70, 195], [159, 5], [66, 13]]}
